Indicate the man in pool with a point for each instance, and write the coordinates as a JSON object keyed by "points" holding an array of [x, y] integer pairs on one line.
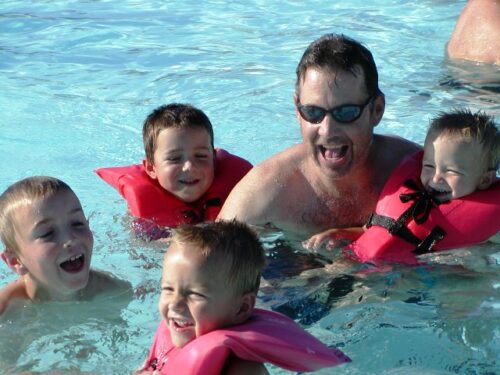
{"points": [[334, 176], [476, 36]]}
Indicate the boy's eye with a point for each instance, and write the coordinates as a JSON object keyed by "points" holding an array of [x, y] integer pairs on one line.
{"points": [[196, 295], [202, 156], [45, 235], [167, 289], [174, 159], [428, 166]]}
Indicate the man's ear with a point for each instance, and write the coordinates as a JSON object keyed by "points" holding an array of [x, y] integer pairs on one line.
{"points": [[149, 168], [296, 103], [13, 262], [247, 304], [486, 180], [378, 109]]}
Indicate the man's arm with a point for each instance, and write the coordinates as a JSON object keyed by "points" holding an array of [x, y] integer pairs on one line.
{"points": [[249, 199]]}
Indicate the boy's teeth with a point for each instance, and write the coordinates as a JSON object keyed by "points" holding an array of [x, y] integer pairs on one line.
{"points": [[181, 323], [73, 264]]}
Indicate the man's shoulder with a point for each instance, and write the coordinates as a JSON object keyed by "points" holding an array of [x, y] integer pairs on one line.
{"points": [[395, 145], [260, 196], [283, 163], [389, 152]]}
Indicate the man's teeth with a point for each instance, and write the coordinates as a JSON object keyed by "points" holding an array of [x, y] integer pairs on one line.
{"points": [[334, 152]]}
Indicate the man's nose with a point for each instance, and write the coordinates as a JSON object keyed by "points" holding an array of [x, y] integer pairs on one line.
{"points": [[328, 126]]}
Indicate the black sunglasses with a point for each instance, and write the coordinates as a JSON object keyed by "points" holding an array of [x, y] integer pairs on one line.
{"points": [[344, 113]]}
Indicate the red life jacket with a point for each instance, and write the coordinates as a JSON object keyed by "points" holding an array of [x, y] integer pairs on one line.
{"points": [[408, 221], [148, 200], [267, 336]]}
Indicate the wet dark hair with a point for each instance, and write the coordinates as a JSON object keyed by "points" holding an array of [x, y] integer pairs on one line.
{"points": [[174, 115], [333, 52]]}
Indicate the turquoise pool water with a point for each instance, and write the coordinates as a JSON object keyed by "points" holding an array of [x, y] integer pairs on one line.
{"points": [[77, 79]]}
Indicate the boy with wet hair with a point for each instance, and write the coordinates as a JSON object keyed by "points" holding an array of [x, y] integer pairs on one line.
{"points": [[48, 243], [183, 178], [461, 154], [211, 276]]}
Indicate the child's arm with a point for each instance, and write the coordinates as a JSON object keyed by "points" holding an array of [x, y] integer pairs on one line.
{"points": [[15, 289], [238, 366], [331, 237]]}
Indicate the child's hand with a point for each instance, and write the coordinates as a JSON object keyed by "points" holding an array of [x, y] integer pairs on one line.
{"points": [[332, 238], [326, 238]]}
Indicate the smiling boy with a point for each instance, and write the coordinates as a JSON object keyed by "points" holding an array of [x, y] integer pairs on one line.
{"points": [[48, 243]]}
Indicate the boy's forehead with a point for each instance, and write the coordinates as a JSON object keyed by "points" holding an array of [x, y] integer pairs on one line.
{"points": [[36, 208], [188, 130], [196, 256]]}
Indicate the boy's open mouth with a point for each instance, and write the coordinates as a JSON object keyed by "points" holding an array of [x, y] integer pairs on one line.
{"points": [[440, 194], [74, 264], [181, 323]]}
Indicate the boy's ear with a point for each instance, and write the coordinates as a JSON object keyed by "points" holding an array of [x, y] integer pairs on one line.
{"points": [[247, 304], [13, 262], [486, 180], [149, 168]]}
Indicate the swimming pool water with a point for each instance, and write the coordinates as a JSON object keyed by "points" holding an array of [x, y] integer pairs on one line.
{"points": [[77, 79]]}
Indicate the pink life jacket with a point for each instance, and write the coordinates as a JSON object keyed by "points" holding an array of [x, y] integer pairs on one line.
{"points": [[267, 336], [408, 221], [148, 200]]}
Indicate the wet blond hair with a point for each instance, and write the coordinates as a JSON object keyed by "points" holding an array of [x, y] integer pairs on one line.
{"points": [[21, 194], [231, 243]]}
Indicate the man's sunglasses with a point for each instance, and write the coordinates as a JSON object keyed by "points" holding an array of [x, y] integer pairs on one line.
{"points": [[344, 113]]}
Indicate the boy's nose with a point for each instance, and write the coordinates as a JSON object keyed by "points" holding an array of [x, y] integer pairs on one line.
{"points": [[176, 303], [68, 240], [188, 165], [437, 177]]}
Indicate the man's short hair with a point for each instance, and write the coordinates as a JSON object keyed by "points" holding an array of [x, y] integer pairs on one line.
{"points": [[334, 52]]}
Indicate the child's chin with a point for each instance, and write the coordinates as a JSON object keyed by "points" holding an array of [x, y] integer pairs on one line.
{"points": [[80, 283], [180, 342]]}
